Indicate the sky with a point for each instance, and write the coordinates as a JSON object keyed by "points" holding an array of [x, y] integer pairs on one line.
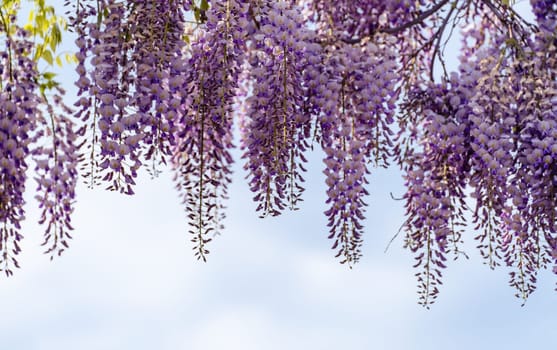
{"points": [[130, 281]]}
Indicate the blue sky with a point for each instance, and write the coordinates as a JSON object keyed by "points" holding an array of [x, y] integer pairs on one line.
{"points": [[130, 281]]}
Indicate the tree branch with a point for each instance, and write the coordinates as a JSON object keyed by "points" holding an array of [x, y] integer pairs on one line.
{"points": [[422, 17]]}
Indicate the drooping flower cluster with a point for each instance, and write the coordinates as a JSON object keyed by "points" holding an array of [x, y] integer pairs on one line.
{"points": [[56, 174], [201, 155], [435, 185], [277, 123], [132, 95], [546, 15], [354, 20], [535, 183], [157, 51], [512, 170], [18, 110], [357, 107], [500, 109], [152, 88], [32, 124], [117, 158]]}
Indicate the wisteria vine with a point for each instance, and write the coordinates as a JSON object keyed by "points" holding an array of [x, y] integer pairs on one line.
{"points": [[166, 82]]}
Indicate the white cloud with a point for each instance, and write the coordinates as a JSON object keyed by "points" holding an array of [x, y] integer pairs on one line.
{"points": [[369, 285], [240, 328]]}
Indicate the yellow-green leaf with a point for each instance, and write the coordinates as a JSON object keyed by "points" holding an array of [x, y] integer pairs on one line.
{"points": [[47, 56]]}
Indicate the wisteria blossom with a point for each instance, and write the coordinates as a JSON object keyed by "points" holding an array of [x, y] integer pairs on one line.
{"points": [[169, 82], [201, 154], [357, 109], [277, 126], [40, 126], [18, 120]]}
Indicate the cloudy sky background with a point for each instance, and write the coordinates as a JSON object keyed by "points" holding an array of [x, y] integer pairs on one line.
{"points": [[130, 281]]}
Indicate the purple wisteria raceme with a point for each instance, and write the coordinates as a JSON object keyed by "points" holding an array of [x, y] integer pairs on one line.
{"points": [[158, 58], [135, 86], [492, 144], [533, 246], [491, 128], [512, 168], [356, 109], [112, 156], [201, 155], [84, 23], [435, 174], [546, 15], [26, 128], [118, 157], [354, 20], [502, 109], [277, 127], [18, 121], [56, 174]]}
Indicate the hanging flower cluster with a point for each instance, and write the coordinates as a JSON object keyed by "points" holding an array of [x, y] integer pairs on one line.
{"points": [[546, 15], [435, 185], [56, 174], [201, 154], [32, 124], [488, 128], [18, 108], [357, 106], [277, 124], [166, 81], [132, 96], [353, 20]]}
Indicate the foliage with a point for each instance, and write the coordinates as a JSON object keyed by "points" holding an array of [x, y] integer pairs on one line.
{"points": [[165, 82]]}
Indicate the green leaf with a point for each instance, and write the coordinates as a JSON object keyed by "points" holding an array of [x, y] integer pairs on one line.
{"points": [[48, 75], [56, 36], [47, 56], [70, 58]]}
